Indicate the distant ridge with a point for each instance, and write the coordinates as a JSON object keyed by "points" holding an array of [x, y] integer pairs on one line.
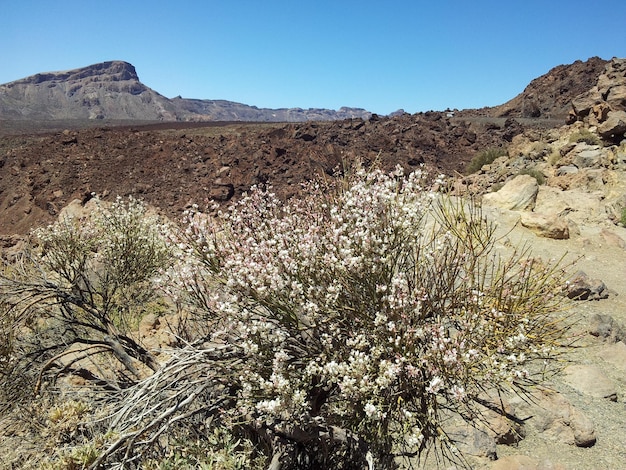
{"points": [[112, 90]]}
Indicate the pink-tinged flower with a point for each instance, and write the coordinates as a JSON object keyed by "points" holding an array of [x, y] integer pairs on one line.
{"points": [[457, 392], [435, 385]]}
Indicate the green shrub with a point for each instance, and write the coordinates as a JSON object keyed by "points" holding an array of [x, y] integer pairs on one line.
{"points": [[622, 219], [484, 157], [585, 135]]}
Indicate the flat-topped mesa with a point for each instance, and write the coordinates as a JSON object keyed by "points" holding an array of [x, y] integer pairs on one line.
{"points": [[115, 70], [107, 90]]}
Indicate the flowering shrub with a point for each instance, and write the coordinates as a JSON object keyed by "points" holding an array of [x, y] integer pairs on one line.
{"points": [[372, 306], [343, 325]]}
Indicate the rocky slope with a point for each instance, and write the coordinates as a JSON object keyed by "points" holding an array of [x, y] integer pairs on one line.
{"points": [[550, 95], [170, 167], [112, 91]]}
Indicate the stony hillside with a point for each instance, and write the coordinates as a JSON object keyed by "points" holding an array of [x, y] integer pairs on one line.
{"points": [[112, 91], [550, 95], [174, 164]]}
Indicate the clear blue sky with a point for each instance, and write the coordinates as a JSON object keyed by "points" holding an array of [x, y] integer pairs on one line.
{"points": [[379, 55]]}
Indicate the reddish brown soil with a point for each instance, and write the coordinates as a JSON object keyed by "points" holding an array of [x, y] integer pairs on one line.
{"points": [[172, 165]]}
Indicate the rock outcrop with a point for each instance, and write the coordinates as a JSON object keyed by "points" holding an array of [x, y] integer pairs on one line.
{"points": [[604, 104], [550, 95]]}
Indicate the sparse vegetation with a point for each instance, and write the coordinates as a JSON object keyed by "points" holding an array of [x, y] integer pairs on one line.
{"points": [[484, 157], [554, 157], [535, 173], [344, 325], [585, 135]]}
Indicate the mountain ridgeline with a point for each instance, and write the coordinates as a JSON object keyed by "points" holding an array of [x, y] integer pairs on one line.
{"points": [[112, 91]]}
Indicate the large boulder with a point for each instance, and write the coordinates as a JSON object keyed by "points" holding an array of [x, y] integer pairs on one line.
{"points": [[614, 127], [584, 102]]}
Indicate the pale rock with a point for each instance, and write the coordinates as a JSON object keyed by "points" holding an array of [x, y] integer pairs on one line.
{"points": [[523, 462], [557, 419], [546, 225], [518, 194], [590, 380], [600, 112], [566, 170], [583, 103], [77, 210], [606, 328], [578, 205], [614, 127], [583, 428], [612, 239], [500, 422], [589, 157], [617, 96], [148, 324], [615, 354]]}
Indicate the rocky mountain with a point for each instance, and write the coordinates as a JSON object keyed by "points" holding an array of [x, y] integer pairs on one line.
{"points": [[109, 90], [166, 164], [550, 95], [112, 91]]}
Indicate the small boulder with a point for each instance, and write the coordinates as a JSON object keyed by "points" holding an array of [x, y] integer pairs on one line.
{"points": [[583, 428], [472, 441], [519, 193], [606, 328], [589, 157], [584, 102], [548, 226], [557, 419], [582, 287], [566, 170], [500, 422]]}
